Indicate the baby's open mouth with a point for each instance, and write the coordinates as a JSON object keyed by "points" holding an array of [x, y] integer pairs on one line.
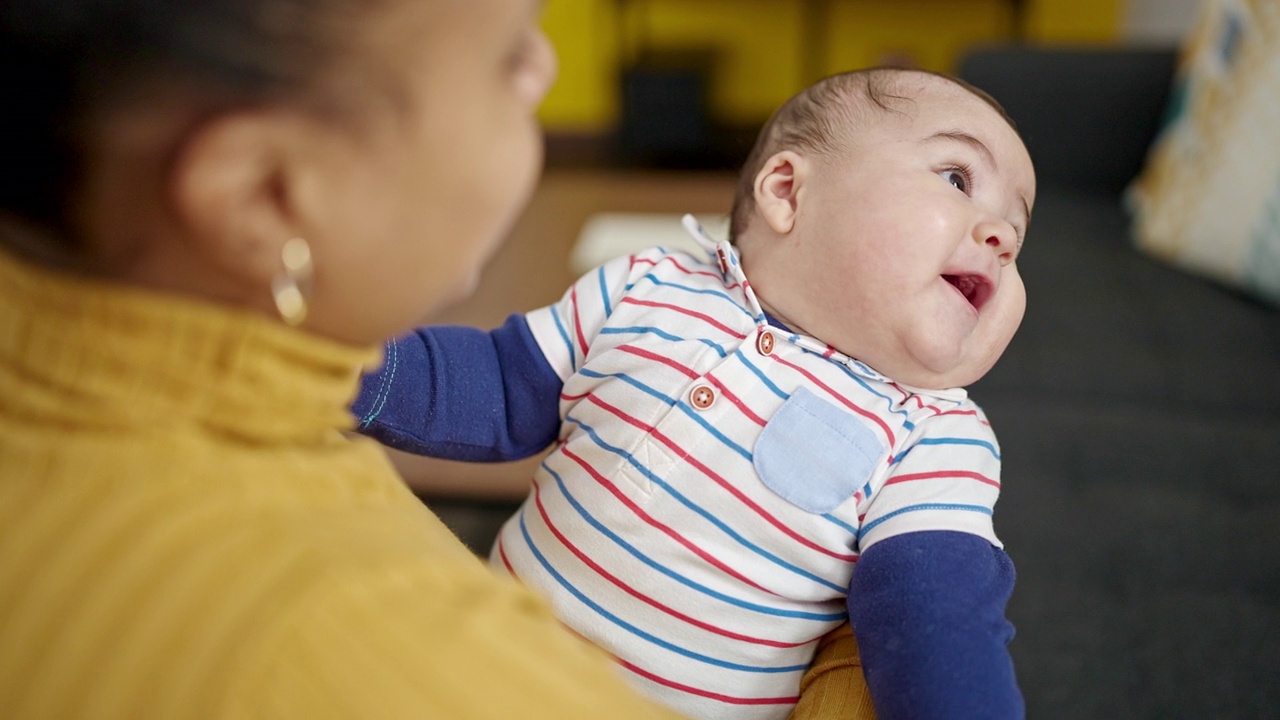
{"points": [[975, 288]]}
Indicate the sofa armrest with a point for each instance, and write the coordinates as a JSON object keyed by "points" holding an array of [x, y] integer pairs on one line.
{"points": [[1087, 115]]}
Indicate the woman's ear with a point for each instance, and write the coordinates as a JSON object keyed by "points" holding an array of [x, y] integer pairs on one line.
{"points": [[777, 189], [233, 189]]}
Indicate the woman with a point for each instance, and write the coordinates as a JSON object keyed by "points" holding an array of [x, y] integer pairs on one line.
{"points": [[210, 215]]}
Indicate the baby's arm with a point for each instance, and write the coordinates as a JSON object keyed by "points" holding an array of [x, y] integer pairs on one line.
{"points": [[928, 594], [928, 611], [462, 393]]}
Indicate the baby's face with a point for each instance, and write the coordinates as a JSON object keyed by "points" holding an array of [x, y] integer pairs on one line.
{"points": [[904, 250]]}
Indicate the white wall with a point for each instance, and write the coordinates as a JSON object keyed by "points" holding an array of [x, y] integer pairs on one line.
{"points": [[1159, 21]]}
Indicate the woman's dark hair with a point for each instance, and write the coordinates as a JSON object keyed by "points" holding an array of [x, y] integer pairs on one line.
{"points": [[64, 63], [822, 117]]}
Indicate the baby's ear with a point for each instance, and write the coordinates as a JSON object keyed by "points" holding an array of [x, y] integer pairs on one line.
{"points": [[777, 188]]}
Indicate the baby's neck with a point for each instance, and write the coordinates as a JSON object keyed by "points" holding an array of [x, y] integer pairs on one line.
{"points": [[773, 314]]}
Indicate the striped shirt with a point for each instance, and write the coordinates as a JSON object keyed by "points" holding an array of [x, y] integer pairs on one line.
{"points": [[717, 477]]}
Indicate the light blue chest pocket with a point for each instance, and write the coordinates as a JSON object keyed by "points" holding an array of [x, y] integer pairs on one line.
{"points": [[814, 454]]}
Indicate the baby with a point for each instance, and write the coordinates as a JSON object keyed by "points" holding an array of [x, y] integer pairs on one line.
{"points": [[749, 446]]}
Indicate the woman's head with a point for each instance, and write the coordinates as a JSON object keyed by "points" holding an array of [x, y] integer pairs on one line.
{"points": [[181, 144]]}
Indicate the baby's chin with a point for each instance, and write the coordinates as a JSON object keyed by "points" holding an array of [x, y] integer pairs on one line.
{"points": [[938, 375]]}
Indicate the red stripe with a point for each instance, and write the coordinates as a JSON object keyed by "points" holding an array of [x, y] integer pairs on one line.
{"points": [[684, 455], [936, 411], [708, 273], [687, 271], [734, 399], [974, 413], [672, 259], [843, 400], [906, 395], [707, 693], [942, 474], [577, 322], [546, 518], [502, 553], [686, 311], [666, 529], [647, 355]]}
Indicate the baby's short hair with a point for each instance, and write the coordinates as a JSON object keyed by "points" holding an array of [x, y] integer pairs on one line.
{"points": [[822, 117]]}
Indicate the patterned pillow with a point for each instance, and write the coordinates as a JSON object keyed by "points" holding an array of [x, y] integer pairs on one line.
{"points": [[1208, 199]]}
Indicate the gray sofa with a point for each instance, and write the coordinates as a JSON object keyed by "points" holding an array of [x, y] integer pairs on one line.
{"points": [[1138, 410], [1139, 415]]}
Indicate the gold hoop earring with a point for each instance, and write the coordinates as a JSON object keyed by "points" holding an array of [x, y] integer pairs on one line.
{"points": [[291, 288]]}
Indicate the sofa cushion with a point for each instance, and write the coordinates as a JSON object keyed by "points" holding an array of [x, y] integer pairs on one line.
{"points": [[1208, 200]]}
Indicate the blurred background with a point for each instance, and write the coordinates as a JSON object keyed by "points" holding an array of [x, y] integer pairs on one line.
{"points": [[687, 82], [1138, 408]]}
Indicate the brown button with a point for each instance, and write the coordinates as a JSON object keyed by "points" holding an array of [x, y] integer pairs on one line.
{"points": [[702, 397], [724, 262], [764, 343]]}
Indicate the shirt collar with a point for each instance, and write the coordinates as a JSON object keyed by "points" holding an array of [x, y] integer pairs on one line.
{"points": [[723, 254]]}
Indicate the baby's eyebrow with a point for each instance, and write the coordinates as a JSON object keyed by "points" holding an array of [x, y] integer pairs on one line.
{"points": [[963, 137]]}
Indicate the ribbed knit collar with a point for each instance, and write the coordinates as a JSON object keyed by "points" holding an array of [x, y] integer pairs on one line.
{"points": [[85, 353]]}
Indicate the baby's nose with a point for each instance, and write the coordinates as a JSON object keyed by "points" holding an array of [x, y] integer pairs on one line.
{"points": [[1000, 236]]}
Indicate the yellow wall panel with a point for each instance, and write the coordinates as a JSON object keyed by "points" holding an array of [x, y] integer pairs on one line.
{"points": [[764, 47], [584, 97], [929, 33], [757, 42], [1077, 21]]}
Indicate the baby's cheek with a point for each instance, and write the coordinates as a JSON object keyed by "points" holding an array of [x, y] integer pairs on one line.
{"points": [[1008, 311]]}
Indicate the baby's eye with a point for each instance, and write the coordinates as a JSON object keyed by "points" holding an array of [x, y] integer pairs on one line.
{"points": [[958, 177]]}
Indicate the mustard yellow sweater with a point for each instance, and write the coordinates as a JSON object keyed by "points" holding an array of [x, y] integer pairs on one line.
{"points": [[184, 533]]}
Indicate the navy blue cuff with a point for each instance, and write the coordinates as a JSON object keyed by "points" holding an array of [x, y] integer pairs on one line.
{"points": [[463, 394], [927, 609]]}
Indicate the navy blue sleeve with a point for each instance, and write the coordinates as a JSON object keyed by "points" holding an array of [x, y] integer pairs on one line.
{"points": [[927, 609], [463, 394]]}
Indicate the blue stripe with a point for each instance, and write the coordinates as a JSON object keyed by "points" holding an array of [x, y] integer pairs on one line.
{"points": [[645, 329], [840, 524], [724, 439], [923, 506], [641, 330], [762, 609], [630, 381], [662, 483], [972, 442], [949, 441], [524, 530], [760, 374], [716, 293], [719, 350], [604, 292], [564, 335]]}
